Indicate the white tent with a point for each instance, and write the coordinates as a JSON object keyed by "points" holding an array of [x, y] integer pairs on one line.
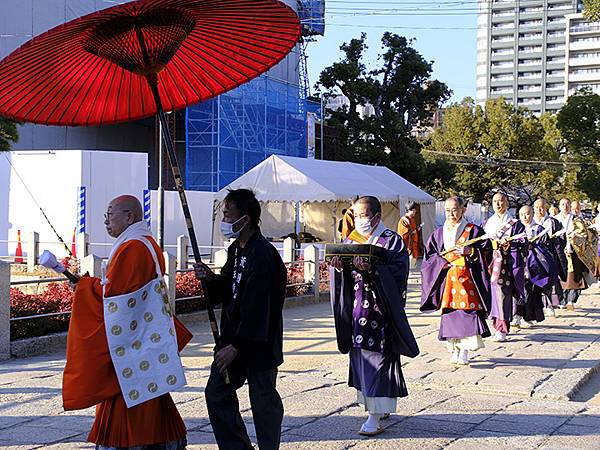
{"points": [[323, 189]]}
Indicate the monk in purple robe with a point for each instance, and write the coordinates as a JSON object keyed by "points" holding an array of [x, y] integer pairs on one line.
{"points": [[541, 272], [368, 301], [557, 243], [507, 266], [456, 281]]}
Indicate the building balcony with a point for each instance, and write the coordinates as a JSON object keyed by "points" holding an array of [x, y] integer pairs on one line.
{"points": [[585, 45], [583, 28], [582, 77], [503, 26], [531, 42], [531, 24], [529, 101], [578, 62], [536, 89]]}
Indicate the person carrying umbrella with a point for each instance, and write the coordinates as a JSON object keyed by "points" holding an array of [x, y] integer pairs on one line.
{"points": [[251, 287]]}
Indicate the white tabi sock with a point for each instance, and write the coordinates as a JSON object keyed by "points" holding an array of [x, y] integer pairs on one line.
{"points": [[372, 422]]}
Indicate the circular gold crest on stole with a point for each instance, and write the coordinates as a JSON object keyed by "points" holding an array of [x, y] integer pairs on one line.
{"points": [[144, 365], [163, 358], [152, 387], [134, 395], [127, 372], [171, 380], [155, 337], [148, 317], [116, 330]]}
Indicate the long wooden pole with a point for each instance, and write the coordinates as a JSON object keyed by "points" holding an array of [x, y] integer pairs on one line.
{"points": [[187, 215], [153, 83]]}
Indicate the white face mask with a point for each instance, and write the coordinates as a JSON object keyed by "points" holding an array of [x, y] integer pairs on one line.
{"points": [[227, 229], [363, 225]]}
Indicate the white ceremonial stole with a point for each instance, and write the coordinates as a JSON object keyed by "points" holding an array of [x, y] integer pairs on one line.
{"points": [[498, 226], [567, 221], [545, 222], [451, 233], [376, 234], [141, 340], [531, 230]]}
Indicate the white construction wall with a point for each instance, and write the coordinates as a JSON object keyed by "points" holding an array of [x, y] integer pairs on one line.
{"points": [[201, 208], [53, 178]]}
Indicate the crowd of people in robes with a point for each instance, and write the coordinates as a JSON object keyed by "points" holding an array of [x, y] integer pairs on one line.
{"points": [[124, 339], [514, 271]]}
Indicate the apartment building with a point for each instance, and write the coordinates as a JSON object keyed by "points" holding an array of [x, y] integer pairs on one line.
{"points": [[582, 58], [522, 51]]}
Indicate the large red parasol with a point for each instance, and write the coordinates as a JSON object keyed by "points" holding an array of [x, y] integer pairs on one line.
{"points": [[94, 70], [142, 58]]}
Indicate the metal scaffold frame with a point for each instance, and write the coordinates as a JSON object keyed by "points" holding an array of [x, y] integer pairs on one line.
{"points": [[228, 135]]}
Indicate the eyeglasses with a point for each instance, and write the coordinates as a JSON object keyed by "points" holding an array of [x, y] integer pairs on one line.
{"points": [[109, 215]]}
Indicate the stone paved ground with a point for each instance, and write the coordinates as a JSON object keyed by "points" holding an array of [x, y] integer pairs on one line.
{"points": [[521, 394]]}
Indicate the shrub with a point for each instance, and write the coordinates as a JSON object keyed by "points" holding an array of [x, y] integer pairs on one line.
{"points": [[57, 297]]}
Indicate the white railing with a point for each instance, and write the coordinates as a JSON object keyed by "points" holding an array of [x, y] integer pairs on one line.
{"points": [[311, 261]]}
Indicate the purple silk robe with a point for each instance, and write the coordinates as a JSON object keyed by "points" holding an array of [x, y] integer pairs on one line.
{"points": [[370, 321], [456, 324], [513, 284], [541, 274]]}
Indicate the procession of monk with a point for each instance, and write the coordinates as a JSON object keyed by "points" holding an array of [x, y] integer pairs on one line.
{"points": [[124, 339]]}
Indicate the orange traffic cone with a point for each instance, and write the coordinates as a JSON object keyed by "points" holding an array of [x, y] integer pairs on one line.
{"points": [[19, 251], [73, 244]]}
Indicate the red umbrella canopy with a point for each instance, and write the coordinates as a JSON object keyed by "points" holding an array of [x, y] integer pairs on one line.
{"points": [[96, 69]]}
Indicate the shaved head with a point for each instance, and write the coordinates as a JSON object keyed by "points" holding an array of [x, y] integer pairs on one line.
{"points": [[500, 203], [122, 212], [129, 203], [540, 208], [373, 203], [526, 214]]}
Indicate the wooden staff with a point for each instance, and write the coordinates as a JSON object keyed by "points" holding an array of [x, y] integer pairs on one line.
{"points": [[466, 244]]}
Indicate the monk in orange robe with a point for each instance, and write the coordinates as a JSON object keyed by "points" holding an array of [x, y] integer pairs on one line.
{"points": [[89, 377], [409, 231]]}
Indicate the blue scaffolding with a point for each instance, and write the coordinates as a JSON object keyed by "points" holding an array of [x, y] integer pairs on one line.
{"points": [[312, 17], [228, 135]]}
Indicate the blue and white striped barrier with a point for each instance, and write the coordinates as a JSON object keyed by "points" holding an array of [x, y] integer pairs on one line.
{"points": [[81, 219], [147, 210]]}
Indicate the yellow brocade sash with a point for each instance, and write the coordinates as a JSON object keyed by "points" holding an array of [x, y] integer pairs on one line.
{"points": [[460, 291]]}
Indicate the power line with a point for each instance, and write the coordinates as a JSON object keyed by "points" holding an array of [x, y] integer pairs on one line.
{"points": [[475, 159], [397, 27]]}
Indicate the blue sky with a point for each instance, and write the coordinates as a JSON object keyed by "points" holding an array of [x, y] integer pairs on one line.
{"points": [[446, 35]]}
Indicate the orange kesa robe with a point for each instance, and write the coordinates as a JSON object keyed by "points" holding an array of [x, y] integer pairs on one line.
{"points": [[407, 228], [347, 224], [89, 377]]}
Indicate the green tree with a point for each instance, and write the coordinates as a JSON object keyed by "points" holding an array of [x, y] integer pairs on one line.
{"points": [[396, 96], [591, 10], [487, 145], [579, 123], [8, 134]]}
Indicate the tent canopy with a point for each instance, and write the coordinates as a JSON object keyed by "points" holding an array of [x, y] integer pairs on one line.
{"points": [[289, 179]]}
